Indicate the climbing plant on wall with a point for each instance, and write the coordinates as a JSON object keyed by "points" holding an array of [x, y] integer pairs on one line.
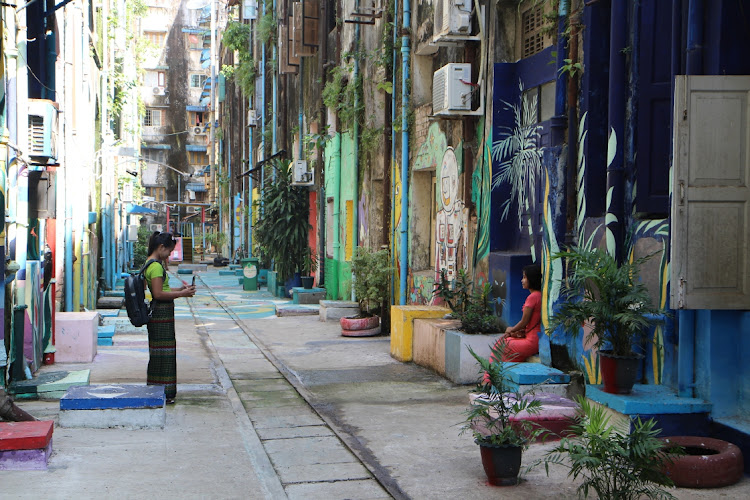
{"points": [[236, 37]]}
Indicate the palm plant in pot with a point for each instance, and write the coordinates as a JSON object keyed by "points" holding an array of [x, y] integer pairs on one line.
{"points": [[372, 280], [309, 266], [617, 305], [283, 227], [495, 419]]}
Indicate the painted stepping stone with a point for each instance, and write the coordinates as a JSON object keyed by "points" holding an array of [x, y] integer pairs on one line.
{"points": [[302, 295], [25, 445], [227, 272], [105, 406], [108, 313], [106, 331], [296, 310], [184, 271], [104, 341], [49, 385], [541, 378], [114, 293]]}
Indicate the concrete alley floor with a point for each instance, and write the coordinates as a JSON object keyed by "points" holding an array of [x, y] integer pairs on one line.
{"points": [[277, 408]]}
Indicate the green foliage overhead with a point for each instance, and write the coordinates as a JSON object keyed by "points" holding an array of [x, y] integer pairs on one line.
{"points": [[283, 226], [237, 37], [609, 296], [614, 466], [496, 405], [372, 278]]}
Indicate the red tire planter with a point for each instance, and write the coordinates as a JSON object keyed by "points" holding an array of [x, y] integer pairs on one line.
{"points": [[353, 323], [370, 332], [722, 463]]}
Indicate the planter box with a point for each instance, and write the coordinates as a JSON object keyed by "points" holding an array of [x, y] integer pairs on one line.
{"points": [[460, 365], [402, 327], [76, 336], [429, 342], [272, 282]]}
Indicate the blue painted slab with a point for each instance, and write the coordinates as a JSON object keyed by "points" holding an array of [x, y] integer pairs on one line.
{"points": [[226, 273], [536, 373], [108, 313], [114, 293], [647, 400], [184, 271], [104, 341], [106, 331], [116, 396]]}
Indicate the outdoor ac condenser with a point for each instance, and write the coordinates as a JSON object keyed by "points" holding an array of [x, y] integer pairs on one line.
{"points": [[452, 17], [450, 92]]}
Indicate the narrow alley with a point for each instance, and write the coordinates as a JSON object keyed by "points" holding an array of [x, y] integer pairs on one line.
{"points": [[278, 407]]}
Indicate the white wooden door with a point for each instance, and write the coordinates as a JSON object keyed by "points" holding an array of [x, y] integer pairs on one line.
{"points": [[711, 193]]}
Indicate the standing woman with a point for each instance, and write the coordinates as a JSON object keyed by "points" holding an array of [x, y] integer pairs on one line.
{"points": [[162, 346]]}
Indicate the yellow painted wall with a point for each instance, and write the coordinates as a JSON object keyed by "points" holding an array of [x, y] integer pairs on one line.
{"points": [[402, 327]]}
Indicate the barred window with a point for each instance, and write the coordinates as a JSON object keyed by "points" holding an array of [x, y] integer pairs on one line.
{"points": [[197, 158], [533, 39], [197, 80], [152, 118], [155, 37]]}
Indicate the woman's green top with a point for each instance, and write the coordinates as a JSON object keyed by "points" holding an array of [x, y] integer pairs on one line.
{"points": [[156, 270]]}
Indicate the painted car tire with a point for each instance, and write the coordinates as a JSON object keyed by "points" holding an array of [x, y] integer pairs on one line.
{"points": [[370, 332], [352, 324], [723, 467]]}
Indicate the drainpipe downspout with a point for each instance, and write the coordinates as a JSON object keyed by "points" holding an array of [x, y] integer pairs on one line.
{"points": [[616, 126], [686, 331], [572, 160], [322, 71], [405, 51], [301, 112], [263, 109], [336, 189], [275, 96], [22, 123], [355, 172], [392, 166]]}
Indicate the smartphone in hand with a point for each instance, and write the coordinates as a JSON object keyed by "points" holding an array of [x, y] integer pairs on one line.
{"points": [[193, 280]]}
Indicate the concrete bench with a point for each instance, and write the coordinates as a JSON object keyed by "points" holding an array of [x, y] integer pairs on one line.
{"points": [[334, 310], [302, 295], [106, 406], [536, 376], [25, 445], [49, 385]]}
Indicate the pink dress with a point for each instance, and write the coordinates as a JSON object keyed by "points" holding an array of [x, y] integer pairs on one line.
{"points": [[518, 349]]}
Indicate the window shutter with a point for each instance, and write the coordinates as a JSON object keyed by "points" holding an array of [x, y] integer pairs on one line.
{"points": [[711, 193]]}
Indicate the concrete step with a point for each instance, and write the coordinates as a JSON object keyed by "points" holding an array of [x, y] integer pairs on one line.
{"points": [[114, 293], [108, 313], [110, 303], [334, 310], [25, 445], [308, 295], [296, 310], [107, 406], [105, 331]]}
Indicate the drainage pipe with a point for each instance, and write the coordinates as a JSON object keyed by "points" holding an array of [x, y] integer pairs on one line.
{"points": [[275, 95], [336, 190], [263, 108], [694, 59], [394, 56], [301, 115], [22, 124], [685, 353], [405, 51], [616, 125], [355, 173]]}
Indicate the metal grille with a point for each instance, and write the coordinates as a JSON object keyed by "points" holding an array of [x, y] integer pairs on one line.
{"points": [[438, 91], [36, 134], [532, 38]]}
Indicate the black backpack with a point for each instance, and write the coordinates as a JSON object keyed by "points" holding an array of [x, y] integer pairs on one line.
{"points": [[139, 311]]}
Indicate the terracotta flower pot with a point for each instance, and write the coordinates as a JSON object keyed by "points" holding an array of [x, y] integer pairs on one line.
{"points": [[619, 372]]}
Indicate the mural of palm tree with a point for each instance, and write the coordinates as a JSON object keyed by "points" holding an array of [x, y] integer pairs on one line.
{"points": [[519, 158]]}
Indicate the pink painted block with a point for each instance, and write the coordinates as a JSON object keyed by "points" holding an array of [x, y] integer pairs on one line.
{"points": [[26, 459], [76, 336], [25, 435]]}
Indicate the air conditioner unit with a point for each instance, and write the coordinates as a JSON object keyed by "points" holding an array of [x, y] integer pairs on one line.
{"points": [[452, 17], [132, 232], [42, 130], [252, 118], [199, 131], [451, 91], [193, 210], [158, 90], [301, 175], [155, 227]]}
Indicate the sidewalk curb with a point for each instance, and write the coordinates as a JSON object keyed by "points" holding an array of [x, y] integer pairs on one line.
{"points": [[368, 459], [269, 480]]}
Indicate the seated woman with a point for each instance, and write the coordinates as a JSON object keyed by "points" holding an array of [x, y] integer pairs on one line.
{"points": [[522, 339]]}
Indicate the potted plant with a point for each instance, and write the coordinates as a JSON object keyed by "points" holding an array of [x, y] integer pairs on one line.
{"points": [[615, 466], [495, 419], [471, 308], [283, 227], [611, 297], [372, 279], [309, 266]]}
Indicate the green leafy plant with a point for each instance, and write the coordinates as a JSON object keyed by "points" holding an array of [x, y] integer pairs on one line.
{"points": [[283, 226], [570, 68], [471, 308], [609, 296], [309, 262], [615, 466], [372, 279], [217, 240], [489, 417], [236, 37], [266, 28], [140, 247]]}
